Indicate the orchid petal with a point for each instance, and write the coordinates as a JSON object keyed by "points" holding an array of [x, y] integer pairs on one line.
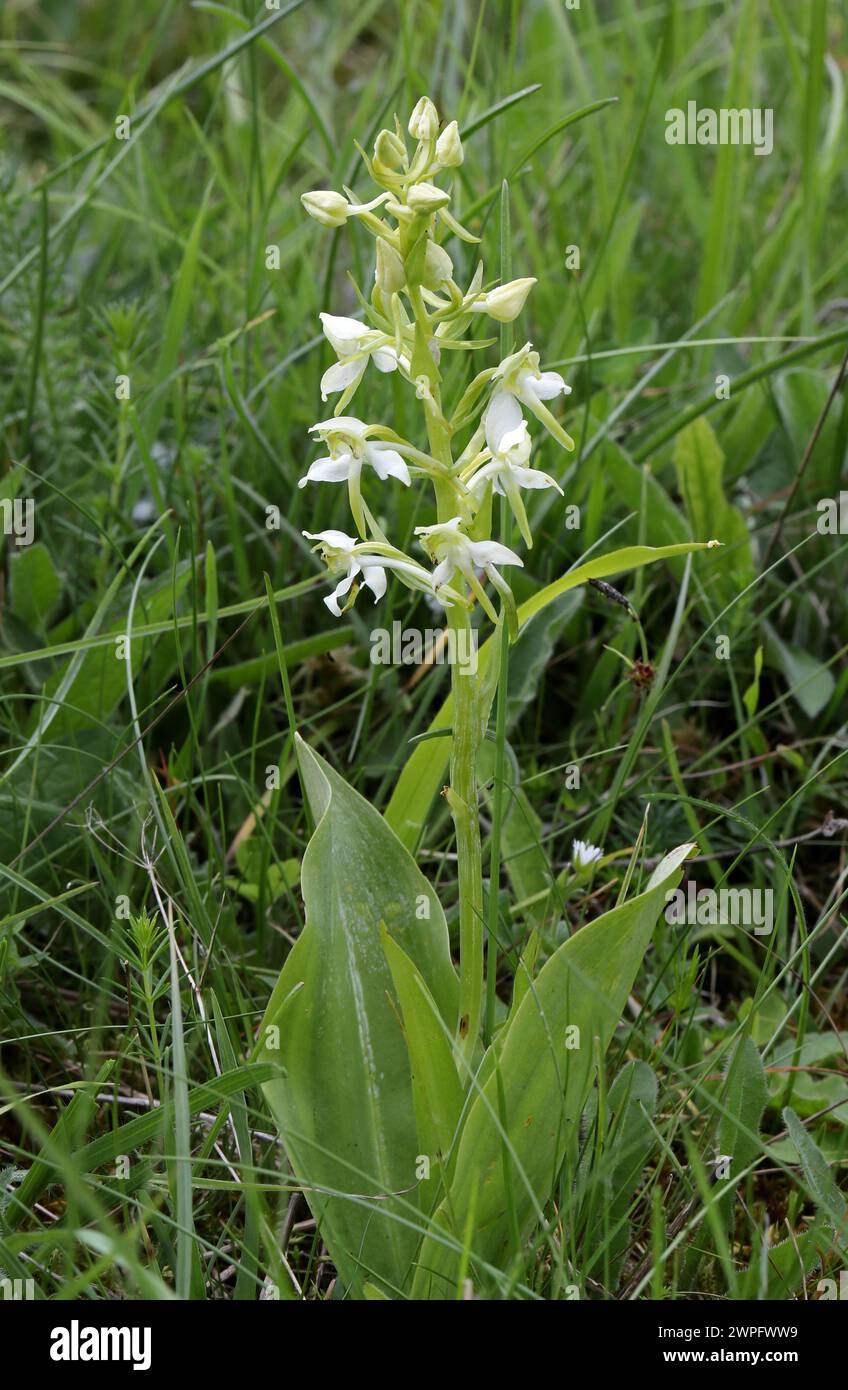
{"points": [[339, 540], [442, 573], [503, 413], [354, 494], [517, 439], [340, 376], [343, 586], [385, 359], [550, 422], [387, 463], [492, 553], [327, 470], [507, 599], [547, 386], [349, 424], [343, 333], [534, 478], [375, 578], [516, 502]]}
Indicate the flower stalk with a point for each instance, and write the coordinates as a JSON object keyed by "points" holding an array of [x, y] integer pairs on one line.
{"points": [[418, 314], [461, 794]]}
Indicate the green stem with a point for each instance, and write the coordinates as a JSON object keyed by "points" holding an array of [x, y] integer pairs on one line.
{"points": [[462, 795], [466, 819], [497, 812], [465, 687], [503, 676]]}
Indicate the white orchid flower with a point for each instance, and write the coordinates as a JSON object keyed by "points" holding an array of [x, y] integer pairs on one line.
{"points": [[583, 854], [508, 474], [520, 382], [349, 445], [350, 450], [355, 345], [339, 553], [453, 550], [366, 562]]}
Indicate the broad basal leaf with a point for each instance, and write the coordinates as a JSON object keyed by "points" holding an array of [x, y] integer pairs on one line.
{"points": [[344, 1099], [436, 1090], [544, 1072]]}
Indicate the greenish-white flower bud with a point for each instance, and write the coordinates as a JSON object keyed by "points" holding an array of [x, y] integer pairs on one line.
{"points": [[424, 121], [389, 273], [427, 198], [449, 147], [506, 302], [389, 150], [329, 208], [438, 266]]}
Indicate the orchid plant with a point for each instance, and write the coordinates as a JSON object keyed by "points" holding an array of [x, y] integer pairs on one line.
{"points": [[417, 312], [388, 1084]]}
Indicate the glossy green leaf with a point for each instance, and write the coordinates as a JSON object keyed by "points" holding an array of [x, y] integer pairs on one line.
{"points": [[801, 396], [345, 1106], [436, 1090], [544, 1082]]}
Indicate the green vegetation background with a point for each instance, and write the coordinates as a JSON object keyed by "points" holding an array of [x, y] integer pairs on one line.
{"points": [[180, 257]]}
